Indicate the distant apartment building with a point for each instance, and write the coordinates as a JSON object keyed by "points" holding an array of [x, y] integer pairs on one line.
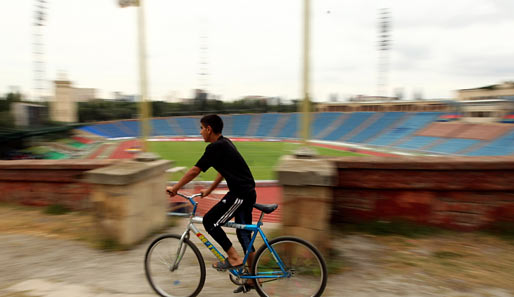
{"points": [[499, 91], [487, 104], [84, 94]]}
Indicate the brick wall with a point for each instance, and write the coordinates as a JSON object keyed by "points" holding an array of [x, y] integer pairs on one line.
{"points": [[463, 193], [45, 182]]}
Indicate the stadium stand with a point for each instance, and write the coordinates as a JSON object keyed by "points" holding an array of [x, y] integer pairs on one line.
{"points": [[321, 121], [453, 146], [254, 125], [268, 121], [290, 128], [240, 124], [502, 146], [161, 127], [395, 130], [190, 126], [410, 125], [131, 128], [353, 121], [388, 119], [417, 142], [228, 125]]}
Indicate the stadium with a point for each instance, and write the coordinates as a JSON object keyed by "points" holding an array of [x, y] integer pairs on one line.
{"points": [[423, 186]]}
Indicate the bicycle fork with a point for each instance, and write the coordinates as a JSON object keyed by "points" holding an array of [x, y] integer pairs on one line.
{"points": [[181, 250]]}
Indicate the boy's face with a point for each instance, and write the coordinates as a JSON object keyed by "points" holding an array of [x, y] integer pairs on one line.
{"points": [[205, 132]]}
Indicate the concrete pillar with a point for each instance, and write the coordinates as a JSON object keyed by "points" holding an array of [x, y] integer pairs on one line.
{"points": [[307, 183], [129, 199]]}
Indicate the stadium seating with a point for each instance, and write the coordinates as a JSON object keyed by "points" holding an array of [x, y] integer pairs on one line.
{"points": [[355, 119], [189, 125], [503, 145], [161, 127], [131, 128], [290, 129], [377, 127], [417, 142], [413, 123], [401, 130], [453, 145], [267, 123], [323, 120], [240, 124]]}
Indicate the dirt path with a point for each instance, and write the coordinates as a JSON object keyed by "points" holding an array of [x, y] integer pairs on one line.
{"points": [[40, 256]]}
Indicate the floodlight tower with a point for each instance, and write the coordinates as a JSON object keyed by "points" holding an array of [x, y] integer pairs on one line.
{"points": [[203, 74], [384, 45], [38, 50]]}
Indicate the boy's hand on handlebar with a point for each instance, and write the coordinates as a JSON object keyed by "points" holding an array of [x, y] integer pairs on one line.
{"points": [[205, 193], [171, 191]]}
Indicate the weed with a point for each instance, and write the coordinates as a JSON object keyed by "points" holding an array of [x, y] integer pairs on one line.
{"points": [[394, 227], [56, 209]]}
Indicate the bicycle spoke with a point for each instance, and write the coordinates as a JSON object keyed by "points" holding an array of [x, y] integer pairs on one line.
{"points": [[186, 279], [305, 269]]}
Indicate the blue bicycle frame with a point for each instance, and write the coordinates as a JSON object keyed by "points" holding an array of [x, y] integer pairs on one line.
{"points": [[255, 228]]}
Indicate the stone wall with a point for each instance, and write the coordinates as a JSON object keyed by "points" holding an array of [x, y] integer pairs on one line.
{"points": [[45, 182], [463, 193]]}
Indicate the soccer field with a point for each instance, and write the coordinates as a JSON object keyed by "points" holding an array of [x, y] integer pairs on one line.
{"points": [[260, 156]]}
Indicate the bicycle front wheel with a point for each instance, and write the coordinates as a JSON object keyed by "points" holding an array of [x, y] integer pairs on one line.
{"points": [[305, 271], [174, 269]]}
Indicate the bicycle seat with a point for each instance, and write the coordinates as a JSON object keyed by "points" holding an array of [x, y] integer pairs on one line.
{"points": [[266, 208]]}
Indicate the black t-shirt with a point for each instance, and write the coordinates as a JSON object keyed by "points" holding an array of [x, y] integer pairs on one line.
{"points": [[226, 159]]}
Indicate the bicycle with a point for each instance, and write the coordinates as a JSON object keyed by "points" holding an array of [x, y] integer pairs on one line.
{"points": [[282, 266]]}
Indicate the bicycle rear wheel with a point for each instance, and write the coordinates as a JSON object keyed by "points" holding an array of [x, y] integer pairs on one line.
{"points": [[186, 279], [306, 271]]}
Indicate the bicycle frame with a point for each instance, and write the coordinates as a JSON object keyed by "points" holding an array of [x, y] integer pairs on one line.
{"points": [[255, 228]]}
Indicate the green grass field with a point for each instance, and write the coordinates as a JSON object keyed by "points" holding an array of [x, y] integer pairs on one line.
{"points": [[260, 156]]}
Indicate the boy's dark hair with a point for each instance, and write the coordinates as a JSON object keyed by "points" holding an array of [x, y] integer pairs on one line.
{"points": [[214, 121]]}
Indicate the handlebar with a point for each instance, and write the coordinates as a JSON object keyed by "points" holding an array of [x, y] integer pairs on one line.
{"points": [[190, 197]]}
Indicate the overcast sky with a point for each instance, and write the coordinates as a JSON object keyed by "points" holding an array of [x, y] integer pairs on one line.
{"points": [[255, 47]]}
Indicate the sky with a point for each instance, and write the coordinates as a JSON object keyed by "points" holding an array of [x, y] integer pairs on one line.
{"points": [[255, 47]]}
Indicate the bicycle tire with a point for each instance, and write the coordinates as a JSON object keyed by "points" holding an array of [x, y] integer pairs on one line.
{"points": [[180, 282], [302, 260]]}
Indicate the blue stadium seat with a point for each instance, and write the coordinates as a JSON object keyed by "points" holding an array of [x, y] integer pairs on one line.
{"points": [[161, 127], [453, 145], [322, 121], [92, 129], [376, 127], [227, 124], [290, 129], [190, 126], [409, 126], [111, 130], [132, 127], [240, 124], [503, 145], [268, 121], [418, 142], [354, 121]]}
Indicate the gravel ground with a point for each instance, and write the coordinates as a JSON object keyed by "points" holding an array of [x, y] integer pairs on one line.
{"points": [[33, 265]]}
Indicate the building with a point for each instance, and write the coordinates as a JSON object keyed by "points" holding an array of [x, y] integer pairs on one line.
{"points": [[28, 114], [84, 94], [498, 91], [63, 107], [386, 106]]}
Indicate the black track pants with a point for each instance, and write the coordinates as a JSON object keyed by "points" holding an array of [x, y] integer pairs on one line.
{"points": [[231, 206]]}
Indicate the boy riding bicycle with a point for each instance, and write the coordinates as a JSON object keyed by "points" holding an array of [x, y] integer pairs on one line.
{"points": [[222, 155]]}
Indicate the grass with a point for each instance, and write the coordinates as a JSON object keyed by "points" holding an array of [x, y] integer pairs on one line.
{"points": [[261, 157]]}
